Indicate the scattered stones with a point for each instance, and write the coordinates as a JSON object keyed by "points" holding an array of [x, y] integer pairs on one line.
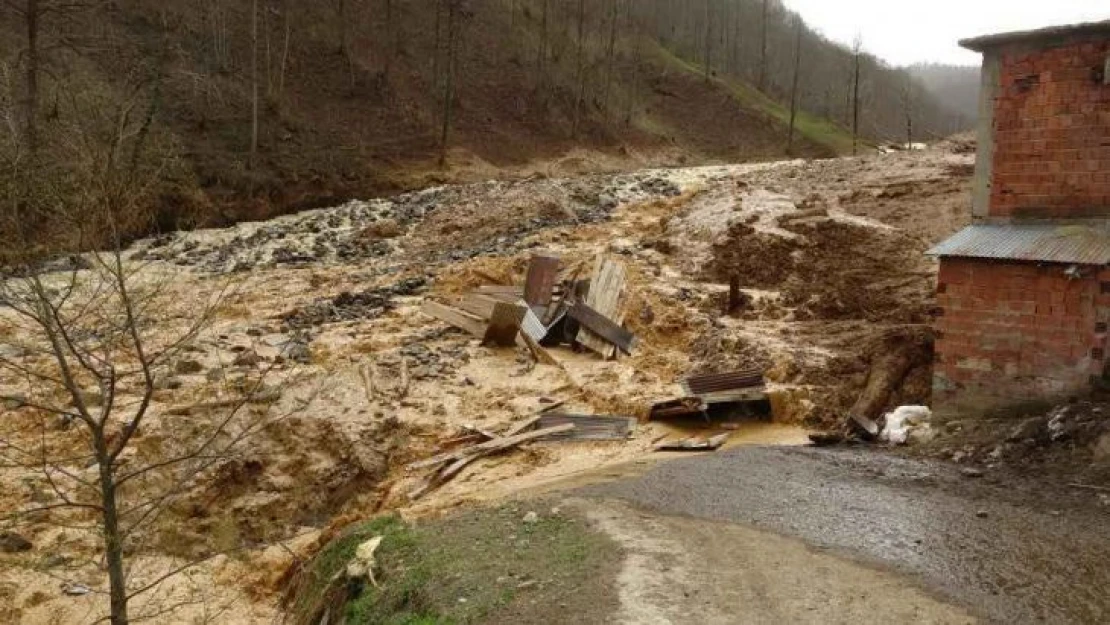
{"points": [[348, 306], [971, 472]]}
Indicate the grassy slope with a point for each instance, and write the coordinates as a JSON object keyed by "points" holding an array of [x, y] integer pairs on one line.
{"points": [[485, 565], [817, 129]]}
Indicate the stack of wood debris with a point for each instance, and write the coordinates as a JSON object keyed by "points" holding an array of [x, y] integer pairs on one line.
{"points": [[700, 392], [548, 424], [547, 310]]}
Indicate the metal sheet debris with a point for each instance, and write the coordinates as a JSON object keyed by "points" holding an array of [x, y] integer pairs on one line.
{"points": [[729, 387], [588, 427]]}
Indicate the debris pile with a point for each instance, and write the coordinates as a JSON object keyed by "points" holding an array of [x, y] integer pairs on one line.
{"points": [[546, 311]]}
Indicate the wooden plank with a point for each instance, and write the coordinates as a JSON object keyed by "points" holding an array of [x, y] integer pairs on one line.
{"points": [[455, 317], [491, 289], [603, 327], [541, 354], [477, 304], [497, 444], [504, 325], [604, 297], [543, 269]]}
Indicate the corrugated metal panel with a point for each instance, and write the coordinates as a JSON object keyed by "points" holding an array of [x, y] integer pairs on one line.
{"points": [[1047, 242]]}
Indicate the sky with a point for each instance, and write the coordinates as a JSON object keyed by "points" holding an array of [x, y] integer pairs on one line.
{"points": [[911, 31]]}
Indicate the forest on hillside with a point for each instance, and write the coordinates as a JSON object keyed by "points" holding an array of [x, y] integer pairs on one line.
{"points": [[241, 109]]}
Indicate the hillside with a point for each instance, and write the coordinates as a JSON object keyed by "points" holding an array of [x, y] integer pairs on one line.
{"points": [[352, 94], [955, 85]]}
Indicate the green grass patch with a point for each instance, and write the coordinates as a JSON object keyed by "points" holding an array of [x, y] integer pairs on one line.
{"points": [[813, 127], [469, 568]]}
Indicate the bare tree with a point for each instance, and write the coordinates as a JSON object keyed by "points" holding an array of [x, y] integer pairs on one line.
{"points": [[857, 57], [708, 42], [611, 54], [580, 71], [763, 48], [456, 10], [794, 87], [85, 345], [254, 85]]}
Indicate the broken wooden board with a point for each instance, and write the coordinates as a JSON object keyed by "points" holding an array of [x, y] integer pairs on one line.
{"points": [[603, 327], [504, 325], [508, 294], [694, 444], [453, 316], [540, 353], [604, 298], [588, 427], [539, 286], [477, 304], [497, 444]]}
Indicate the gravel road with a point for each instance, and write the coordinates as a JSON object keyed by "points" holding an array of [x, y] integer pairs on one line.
{"points": [[1002, 549]]}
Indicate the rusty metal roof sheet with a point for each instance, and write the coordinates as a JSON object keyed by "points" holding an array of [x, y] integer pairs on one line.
{"points": [[1082, 244], [979, 44]]}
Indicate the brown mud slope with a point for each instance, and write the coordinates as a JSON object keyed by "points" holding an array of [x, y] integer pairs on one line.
{"points": [[328, 302]]}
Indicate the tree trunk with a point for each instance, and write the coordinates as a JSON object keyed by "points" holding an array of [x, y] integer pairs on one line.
{"points": [[284, 49], [254, 85], [763, 50], [611, 54], [794, 88], [580, 72], [449, 87], [113, 539], [708, 42], [855, 99], [32, 75], [392, 37]]}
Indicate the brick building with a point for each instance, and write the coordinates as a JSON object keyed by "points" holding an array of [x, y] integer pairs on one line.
{"points": [[1024, 292]]}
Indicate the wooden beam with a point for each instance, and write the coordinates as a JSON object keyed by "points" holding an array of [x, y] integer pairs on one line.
{"points": [[603, 327], [540, 283], [496, 444], [504, 325], [455, 317]]}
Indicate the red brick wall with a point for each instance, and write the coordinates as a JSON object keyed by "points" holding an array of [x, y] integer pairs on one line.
{"points": [[1052, 133], [1013, 331]]}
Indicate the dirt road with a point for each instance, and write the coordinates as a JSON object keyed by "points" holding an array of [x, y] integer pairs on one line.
{"points": [[759, 534]]}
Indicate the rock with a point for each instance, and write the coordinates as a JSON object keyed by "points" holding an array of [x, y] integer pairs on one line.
{"points": [[248, 358], [529, 583], [187, 366], [384, 229], [982, 514], [14, 402], [75, 590], [10, 542], [1102, 448], [971, 472], [299, 353], [531, 517], [1028, 428]]}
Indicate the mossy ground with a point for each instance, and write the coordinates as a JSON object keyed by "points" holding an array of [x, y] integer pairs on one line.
{"points": [[481, 566]]}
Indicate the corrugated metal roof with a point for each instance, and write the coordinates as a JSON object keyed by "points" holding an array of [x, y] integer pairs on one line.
{"points": [[980, 44], [1046, 242]]}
